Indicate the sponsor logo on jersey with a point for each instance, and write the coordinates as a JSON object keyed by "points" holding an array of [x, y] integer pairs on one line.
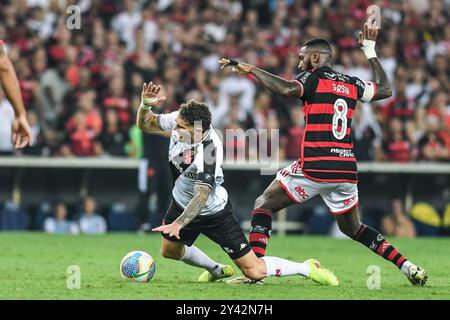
{"points": [[277, 272], [343, 153], [301, 192], [336, 76], [331, 76]]}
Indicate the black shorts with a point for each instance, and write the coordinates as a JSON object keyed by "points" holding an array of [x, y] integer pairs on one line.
{"points": [[222, 228]]}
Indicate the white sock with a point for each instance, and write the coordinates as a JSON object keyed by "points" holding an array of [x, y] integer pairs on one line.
{"points": [[405, 267], [196, 257], [281, 267]]}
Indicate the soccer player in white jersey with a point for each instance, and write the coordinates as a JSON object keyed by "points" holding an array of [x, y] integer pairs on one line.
{"points": [[200, 203]]}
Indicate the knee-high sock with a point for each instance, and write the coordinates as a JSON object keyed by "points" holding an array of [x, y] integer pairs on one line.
{"points": [[260, 232], [376, 242], [197, 258], [281, 267]]}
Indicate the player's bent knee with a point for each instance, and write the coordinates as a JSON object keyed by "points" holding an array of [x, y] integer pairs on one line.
{"points": [[171, 253]]}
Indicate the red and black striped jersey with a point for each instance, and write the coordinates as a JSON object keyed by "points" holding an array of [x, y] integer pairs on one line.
{"points": [[329, 102]]}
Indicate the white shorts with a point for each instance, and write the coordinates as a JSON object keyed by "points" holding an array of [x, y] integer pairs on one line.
{"points": [[340, 197]]}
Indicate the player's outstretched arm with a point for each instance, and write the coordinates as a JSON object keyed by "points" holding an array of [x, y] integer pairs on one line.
{"points": [[270, 81], [367, 39], [192, 210], [146, 120], [21, 131]]}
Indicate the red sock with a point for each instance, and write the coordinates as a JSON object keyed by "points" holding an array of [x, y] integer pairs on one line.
{"points": [[260, 233], [376, 242]]}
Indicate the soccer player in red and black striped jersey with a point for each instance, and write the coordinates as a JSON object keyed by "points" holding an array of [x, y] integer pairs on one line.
{"points": [[327, 164]]}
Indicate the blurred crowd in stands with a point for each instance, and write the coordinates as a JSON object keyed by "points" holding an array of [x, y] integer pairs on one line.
{"points": [[82, 87], [88, 217]]}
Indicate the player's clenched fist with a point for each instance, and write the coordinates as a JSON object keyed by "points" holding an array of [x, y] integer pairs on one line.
{"points": [[238, 67]]}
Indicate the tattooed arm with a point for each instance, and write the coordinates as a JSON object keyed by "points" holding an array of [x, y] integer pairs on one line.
{"points": [[193, 209], [146, 120], [276, 84], [367, 39], [384, 89], [198, 202], [270, 81]]}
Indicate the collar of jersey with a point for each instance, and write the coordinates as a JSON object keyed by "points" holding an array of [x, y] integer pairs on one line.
{"points": [[208, 133]]}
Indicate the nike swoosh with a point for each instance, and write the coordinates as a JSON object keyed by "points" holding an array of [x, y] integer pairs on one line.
{"points": [[138, 275]]}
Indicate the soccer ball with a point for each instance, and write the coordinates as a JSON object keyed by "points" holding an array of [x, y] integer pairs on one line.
{"points": [[137, 266]]}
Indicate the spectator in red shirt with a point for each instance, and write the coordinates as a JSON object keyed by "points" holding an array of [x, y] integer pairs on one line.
{"points": [[116, 98], [81, 139], [94, 120], [396, 147], [432, 146], [438, 107]]}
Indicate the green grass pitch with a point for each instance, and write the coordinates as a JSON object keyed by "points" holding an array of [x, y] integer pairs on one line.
{"points": [[34, 266]]}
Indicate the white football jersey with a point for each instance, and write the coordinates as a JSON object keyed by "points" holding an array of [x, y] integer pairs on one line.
{"points": [[195, 164]]}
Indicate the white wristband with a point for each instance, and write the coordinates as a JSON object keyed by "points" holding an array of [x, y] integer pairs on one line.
{"points": [[368, 47]]}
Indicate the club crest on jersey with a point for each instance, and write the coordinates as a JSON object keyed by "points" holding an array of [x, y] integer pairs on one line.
{"points": [[187, 157]]}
